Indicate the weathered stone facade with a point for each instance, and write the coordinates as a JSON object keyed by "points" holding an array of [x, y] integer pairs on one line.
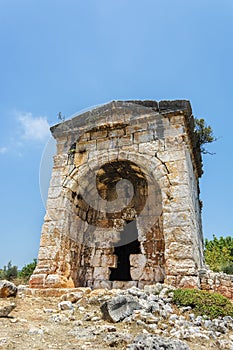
{"points": [[123, 204]]}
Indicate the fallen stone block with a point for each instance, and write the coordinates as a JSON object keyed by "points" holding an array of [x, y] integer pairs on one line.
{"points": [[7, 289], [73, 297], [6, 308], [117, 339], [118, 308], [65, 305]]}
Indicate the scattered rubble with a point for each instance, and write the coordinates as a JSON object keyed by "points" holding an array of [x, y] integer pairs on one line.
{"points": [[133, 319], [149, 342]]}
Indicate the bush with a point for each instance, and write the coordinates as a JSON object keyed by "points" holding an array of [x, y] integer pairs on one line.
{"points": [[204, 303], [228, 268], [204, 134], [11, 273]]}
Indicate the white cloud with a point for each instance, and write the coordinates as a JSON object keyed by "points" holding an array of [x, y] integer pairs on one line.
{"points": [[34, 128], [3, 150]]}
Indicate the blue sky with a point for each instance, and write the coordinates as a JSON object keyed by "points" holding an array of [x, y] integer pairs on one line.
{"points": [[66, 55]]}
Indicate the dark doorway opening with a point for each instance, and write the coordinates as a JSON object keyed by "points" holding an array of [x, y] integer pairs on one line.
{"points": [[123, 251]]}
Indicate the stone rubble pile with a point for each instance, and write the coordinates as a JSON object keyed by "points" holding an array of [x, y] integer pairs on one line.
{"points": [[149, 342], [132, 319], [152, 309]]}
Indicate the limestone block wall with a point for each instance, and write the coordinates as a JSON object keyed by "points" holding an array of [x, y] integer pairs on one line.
{"points": [[216, 282], [123, 205]]}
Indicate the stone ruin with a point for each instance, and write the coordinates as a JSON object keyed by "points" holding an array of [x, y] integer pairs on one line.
{"points": [[123, 205]]}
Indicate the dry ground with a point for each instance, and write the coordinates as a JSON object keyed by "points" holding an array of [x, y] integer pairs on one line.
{"points": [[22, 330]]}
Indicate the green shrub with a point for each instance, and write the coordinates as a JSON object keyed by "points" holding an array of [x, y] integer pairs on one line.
{"points": [[204, 303], [228, 268]]}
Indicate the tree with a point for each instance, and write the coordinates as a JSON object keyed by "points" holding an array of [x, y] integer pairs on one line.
{"points": [[9, 272], [219, 253], [204, 134], [27, 271]]}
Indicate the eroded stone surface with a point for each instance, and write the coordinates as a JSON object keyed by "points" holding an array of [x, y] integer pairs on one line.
{"points": [[123, 205]]}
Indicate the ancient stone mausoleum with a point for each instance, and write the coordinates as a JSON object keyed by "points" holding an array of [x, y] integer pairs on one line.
{"points": [[123, 204]]}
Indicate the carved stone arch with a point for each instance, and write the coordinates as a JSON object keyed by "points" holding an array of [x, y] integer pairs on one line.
{"points": [[148, 219]]}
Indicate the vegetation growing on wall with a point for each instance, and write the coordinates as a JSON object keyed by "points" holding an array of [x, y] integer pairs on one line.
{"points": [[204, 134]]}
